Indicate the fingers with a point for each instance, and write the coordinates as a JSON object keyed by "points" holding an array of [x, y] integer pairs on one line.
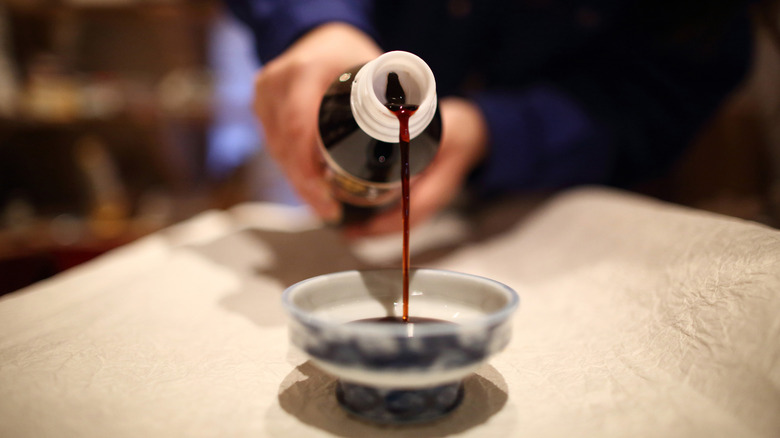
{"points": [[289, 117], [288, 91]]}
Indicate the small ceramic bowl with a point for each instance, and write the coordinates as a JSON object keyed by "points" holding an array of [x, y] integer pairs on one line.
{"points": [[399, 372]]}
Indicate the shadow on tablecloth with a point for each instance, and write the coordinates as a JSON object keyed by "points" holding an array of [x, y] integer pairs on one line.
{"points": [[309, 395], [267, 261]]}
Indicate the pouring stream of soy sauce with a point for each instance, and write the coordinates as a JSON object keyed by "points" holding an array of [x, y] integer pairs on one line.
{"points": [[396, 103]]}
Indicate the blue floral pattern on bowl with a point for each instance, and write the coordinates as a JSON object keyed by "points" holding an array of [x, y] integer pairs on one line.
{"points": [[403, 372]]}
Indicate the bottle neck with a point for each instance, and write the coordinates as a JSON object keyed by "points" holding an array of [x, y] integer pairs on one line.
{"points": [[368, 101]]}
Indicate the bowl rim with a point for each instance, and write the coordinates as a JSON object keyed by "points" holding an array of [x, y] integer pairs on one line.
{"points": [[428, 329]]}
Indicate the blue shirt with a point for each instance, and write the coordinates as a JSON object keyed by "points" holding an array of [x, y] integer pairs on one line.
{"points": [[573, 92]]}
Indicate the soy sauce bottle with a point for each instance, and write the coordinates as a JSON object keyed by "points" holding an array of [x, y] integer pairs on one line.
{"points": [[360, 136]]}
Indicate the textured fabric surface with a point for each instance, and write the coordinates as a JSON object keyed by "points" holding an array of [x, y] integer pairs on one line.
{"points": [[637, 318]]}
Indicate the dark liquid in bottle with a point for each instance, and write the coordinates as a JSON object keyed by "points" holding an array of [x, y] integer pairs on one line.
{"points": [[359, 155], [396, 102]]}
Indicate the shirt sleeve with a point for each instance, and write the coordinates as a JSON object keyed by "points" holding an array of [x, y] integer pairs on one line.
{"points": [[276, 24], [618, 113], [540, 139]]}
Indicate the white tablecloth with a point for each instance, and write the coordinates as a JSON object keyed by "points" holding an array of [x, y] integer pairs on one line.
{"points": [[637, 319]]}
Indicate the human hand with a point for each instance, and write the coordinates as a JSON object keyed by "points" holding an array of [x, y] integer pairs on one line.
{"points": [[288, 91], [463, 144]]}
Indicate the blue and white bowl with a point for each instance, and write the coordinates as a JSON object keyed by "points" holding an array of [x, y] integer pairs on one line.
{"points": [[404, 372]]}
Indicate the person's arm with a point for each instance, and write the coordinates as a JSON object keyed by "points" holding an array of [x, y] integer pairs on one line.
{"points": [[540, 139], [304, 44], [617, 113]]}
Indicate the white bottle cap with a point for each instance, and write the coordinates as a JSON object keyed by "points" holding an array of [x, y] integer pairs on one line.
{"points": [[368, 95]]}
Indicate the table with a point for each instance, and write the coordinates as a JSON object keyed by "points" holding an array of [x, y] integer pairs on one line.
{"points": [[638, 318]]}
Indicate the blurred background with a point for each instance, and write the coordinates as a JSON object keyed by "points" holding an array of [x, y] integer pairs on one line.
{"points": [[120, 117]]}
